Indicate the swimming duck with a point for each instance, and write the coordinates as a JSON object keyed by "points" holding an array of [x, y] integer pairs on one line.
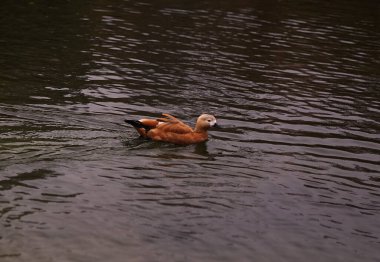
{"points": [[172, 130]]}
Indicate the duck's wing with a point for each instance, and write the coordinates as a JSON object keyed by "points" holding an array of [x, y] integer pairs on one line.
{"points": [[170, 124]]}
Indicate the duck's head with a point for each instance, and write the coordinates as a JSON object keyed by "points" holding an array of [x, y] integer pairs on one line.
{"points": [[204, 122]]}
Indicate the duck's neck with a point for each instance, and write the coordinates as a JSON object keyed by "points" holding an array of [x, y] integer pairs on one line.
{"points": [[199, 129]]}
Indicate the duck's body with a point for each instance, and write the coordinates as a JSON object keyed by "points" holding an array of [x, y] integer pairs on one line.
{"points": [[170, 129]]}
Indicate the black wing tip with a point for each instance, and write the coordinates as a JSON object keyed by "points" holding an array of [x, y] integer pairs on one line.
{"points": [[137, 124], [134, 123]]}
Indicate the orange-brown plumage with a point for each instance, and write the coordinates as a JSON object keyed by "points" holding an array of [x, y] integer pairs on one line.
{"points": [[170, 129]]}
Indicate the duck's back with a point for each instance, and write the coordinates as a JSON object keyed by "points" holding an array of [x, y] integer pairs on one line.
{"points": [[177, 128]]}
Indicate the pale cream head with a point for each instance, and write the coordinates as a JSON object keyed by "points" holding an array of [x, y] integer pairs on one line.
{"points": [[204, 122]]}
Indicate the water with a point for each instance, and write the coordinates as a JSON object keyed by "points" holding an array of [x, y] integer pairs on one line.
{"points": [[292, 176]]}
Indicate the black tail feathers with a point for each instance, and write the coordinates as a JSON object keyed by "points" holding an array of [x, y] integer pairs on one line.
{"points": [[137, 124], [134, 123]]}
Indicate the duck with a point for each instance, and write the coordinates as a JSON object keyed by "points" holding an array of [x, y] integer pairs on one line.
{"points": [[172, 130]]}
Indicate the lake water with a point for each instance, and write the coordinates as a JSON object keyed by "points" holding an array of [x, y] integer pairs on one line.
{"points": [[293, 175]]}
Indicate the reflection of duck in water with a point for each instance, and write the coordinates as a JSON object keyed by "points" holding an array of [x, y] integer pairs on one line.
{"points": [[170, 129]]}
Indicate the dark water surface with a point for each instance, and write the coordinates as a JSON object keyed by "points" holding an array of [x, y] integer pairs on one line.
{"points": [[294, 175]]}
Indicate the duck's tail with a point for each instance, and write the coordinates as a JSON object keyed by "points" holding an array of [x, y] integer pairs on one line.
{"points": [[139, 126], [135, 123]]}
